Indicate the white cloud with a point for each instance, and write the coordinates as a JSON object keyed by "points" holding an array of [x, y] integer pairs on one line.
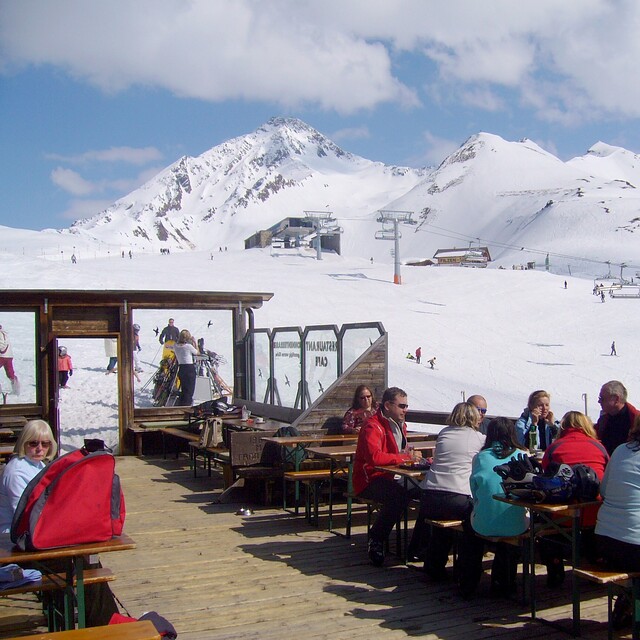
{"points": [[436, 149], [576, 57], [72, 182], [125, 185], [240, 49], [125, 155], [78, 209], [350, 133]]}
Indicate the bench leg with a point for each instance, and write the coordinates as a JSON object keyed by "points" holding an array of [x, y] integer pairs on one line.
{"points": [[635, 594]]}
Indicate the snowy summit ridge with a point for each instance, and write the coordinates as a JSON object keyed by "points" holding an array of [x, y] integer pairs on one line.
{"points": [[280, 169]]}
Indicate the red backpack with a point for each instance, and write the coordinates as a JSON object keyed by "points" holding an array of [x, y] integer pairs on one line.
{"points": [[76, 499]]}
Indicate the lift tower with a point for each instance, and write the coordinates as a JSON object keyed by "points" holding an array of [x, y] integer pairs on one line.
{"points": [[390, 231]]}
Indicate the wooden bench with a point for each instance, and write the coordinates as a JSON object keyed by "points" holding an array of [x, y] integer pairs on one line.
{"points": [[56, 581], [372, 507], [140, 630], [615, 581], [312, 480], [179, 434], [50, 586], [219, 455]]}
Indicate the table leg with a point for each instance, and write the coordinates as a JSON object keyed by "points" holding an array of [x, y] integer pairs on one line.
{"points": [[332, 469], [349, 494], [575, 560], [635, 594], [532, 565]]}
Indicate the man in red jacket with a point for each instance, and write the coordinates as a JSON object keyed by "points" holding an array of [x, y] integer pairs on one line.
{"points": [[617, 415], [382, 441]]}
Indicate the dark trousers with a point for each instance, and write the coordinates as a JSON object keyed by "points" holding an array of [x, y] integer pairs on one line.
{"points": [[621, 556], [433, 544], [504, 568], [393, 497], [63, 378], [187, 375]]}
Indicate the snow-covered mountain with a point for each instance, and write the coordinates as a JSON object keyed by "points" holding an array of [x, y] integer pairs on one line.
{"points": [[248, 184], [510, 195], [513, 197]]}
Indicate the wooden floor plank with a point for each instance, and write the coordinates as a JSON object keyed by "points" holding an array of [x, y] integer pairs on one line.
{"points": [[215, 575]]}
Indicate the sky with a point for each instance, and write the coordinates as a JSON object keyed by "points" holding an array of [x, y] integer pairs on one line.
{"points": [[96, 98]]}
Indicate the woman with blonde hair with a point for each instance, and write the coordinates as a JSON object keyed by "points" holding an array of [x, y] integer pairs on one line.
{"points": [[538, 417], [446, 489], [35, 447], [577, 443], [185, 350]]}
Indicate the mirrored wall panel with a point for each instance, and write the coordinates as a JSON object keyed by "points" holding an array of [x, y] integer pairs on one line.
{"points": [[88, 398], [156, 381], [18, 357]]}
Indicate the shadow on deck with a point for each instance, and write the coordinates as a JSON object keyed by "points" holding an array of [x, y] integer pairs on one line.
{"points": [[215, 574]]}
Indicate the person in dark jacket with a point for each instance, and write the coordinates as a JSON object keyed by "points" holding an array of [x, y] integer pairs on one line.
{"points": [[170, 332], [617, 415], [383, 441]]}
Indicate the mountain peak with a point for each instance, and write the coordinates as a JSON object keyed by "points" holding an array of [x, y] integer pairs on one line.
{"points": [[293, 136]]}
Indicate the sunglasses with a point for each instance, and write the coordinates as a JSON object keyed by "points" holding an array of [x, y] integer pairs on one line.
{"points": [[45, 444], [401, 405], [364, 397], [482, 411]]}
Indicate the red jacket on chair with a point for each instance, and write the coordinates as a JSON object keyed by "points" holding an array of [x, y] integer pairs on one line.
{"points": [[376, 447]]}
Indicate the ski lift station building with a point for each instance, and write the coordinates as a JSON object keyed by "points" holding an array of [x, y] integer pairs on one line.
{"points": [[292, 232]]}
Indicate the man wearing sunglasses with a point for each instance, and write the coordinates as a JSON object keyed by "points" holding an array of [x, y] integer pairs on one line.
{"points": [[382, 441], [481, 405]]}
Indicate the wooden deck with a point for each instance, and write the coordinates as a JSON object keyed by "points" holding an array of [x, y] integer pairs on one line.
{"points": [[217, 575]]}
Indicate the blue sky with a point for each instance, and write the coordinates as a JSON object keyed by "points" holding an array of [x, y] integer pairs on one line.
{"points": [[96, 98]]}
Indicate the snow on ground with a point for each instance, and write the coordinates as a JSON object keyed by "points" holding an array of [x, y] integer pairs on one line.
{"points": [[499, 332]]}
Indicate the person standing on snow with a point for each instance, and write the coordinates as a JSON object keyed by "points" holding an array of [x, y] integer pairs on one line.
{"points": [[418, 354], [6, 361], [613, 349], [111, 351], [65, 367], [169, 333]]}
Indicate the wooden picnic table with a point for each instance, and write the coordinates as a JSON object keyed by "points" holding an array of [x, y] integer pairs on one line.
{"points": [[15, 422], [554, 517], [139, 630], [6, 451], [73, 555], [341, 458]]}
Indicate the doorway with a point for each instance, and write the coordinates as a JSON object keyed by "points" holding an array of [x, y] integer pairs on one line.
{"points": [[89, 406]]}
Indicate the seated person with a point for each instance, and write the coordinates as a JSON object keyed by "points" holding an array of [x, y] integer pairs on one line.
{"points": [[618, 525], [577, 443], [491, 517], [362, 408], [35, 447], [537, 415], [446, 491], [617, 415], [382, 441]]}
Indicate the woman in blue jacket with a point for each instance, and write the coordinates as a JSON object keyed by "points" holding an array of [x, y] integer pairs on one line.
{"points": [[491, 517], [537, 417]]}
